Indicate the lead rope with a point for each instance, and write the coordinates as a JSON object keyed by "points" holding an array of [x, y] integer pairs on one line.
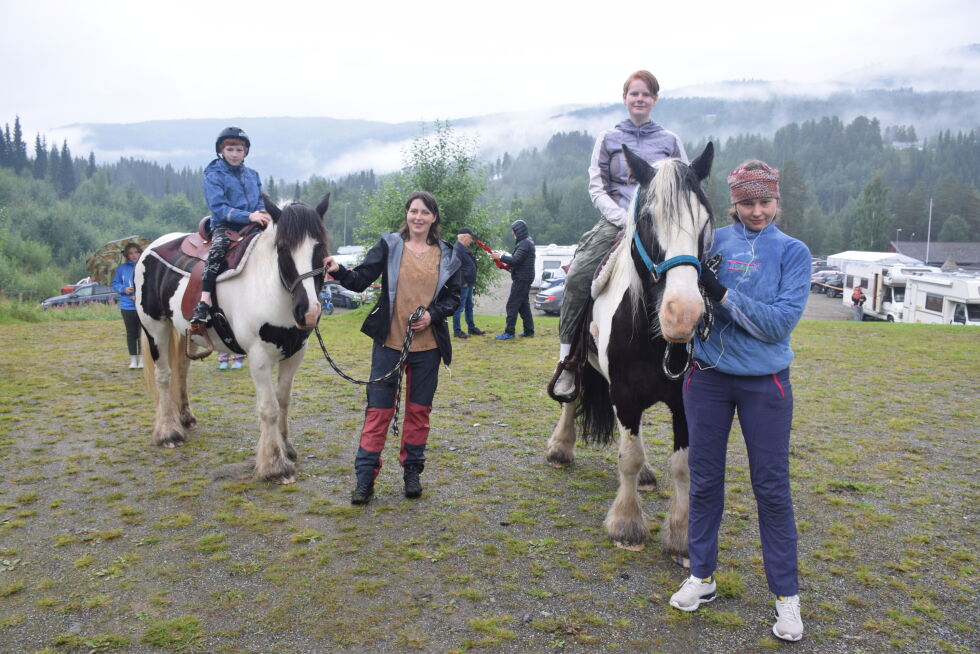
{"points": [[704, 329], [398, 369]]}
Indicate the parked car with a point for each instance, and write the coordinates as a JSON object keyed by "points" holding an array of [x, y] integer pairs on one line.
{"points": [[817, 279], [833, 285], [340, 296], [549, 299], [68, 288], [84, 294]]}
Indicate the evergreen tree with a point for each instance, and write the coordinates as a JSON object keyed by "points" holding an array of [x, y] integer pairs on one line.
{"points": [[792, 188], [954, 229], [872, 229], [90, 168], [18, 148], [54, 166], [40, 158], [67, 181], [5, 147]]}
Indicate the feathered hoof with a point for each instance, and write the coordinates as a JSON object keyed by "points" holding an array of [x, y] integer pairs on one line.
{"points": [[647, 481], [557, 459], [682, 561], [631, 548], [628, 535], [291, 453], [280, 472], [171, 440], [188, 421]]}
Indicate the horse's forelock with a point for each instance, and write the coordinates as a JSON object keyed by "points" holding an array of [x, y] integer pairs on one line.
{"points": [[298, 222]]}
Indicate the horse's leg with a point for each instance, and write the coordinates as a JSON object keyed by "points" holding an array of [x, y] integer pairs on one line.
{"points": [[167, 428], [287, 372], [647, 481], [271, 460], [561, 445], [674, 531], [625, 522], [180, 365]]}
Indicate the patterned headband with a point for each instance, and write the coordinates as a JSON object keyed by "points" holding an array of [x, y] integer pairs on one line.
{"points": [[753, 184]]}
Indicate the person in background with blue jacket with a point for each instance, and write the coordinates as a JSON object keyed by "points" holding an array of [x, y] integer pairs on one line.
{"points": [[123, 284], [758, 296], [611, 189], [234, 195]]}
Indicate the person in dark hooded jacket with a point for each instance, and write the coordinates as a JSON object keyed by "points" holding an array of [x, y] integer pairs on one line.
{"points": [[521, 264]]}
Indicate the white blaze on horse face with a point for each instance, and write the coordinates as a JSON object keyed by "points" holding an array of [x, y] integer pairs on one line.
{"points": [[681, 305], [305, 253]]}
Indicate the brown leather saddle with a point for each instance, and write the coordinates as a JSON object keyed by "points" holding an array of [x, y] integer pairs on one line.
{"points": [[188, 253]]}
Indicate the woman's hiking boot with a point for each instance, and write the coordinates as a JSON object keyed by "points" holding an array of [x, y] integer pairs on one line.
{"points": [[362, 493], [413, 482]]}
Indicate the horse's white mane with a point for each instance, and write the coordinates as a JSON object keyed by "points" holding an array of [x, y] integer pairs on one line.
{"points": [[670, 208]]}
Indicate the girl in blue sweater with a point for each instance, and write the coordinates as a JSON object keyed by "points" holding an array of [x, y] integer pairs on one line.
{"points": [[122, 283], [758, 294]]}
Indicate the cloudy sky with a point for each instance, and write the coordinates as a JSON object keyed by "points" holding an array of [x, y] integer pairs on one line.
{"points": [[109, 61]]}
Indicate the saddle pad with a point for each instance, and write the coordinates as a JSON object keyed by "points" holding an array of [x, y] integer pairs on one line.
{"points": [[604, 271]]}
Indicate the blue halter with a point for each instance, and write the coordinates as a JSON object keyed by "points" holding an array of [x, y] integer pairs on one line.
{"points": [[658, 269]]}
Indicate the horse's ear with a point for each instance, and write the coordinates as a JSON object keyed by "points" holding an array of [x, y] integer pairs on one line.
{"points": [[322, 207], [642, 171], [271, 207], [702, 165]]}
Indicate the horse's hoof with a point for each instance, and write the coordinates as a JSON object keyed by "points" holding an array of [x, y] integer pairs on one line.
{"points": [[170, 446], [646, 488], [682, 561], [631, 548], [559, 460], [283, 481], [291, 453]]}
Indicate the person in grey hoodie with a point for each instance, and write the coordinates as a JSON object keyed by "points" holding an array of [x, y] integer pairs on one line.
{"points": [[611, 189]]}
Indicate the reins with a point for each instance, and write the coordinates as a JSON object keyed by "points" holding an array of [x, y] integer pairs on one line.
{"points": [[397, 369]]}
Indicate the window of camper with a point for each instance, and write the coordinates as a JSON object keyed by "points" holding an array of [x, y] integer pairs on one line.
{"points": [[934, 302], [550, 265], [973, 312], [898, 294]]}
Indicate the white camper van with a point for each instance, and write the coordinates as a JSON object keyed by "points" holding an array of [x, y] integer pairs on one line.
{"points": [[882, 276], [548, 260], [946, 299]]}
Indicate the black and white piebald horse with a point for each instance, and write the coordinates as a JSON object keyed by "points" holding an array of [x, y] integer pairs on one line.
{"points": [[271, 306], [642, 323]]}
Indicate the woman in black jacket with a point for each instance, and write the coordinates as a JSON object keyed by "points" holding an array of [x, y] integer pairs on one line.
{"points": [[417, 268]]}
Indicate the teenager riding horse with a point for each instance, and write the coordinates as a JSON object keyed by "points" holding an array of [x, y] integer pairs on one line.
{"points": [[271, 306], [642, 322]]}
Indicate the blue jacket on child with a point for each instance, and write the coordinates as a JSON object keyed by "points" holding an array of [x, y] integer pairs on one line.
{"points": [[232, 193], [121, 281], [767, 274]]}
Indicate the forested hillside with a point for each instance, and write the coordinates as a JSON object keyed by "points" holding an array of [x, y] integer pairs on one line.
{"points": [[845, 186]]}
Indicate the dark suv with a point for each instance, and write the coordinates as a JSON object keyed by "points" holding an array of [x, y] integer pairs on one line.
{"points": [[84, 294]]}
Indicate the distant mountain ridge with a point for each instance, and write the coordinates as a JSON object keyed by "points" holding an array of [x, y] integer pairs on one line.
{"points": [[290, 149]]}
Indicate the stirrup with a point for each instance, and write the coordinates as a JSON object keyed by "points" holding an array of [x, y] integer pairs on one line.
{"points": [[199, 352], [571, 365]]}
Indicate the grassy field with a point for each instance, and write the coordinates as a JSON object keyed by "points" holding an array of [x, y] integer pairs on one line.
{"points": [[110, 544]]}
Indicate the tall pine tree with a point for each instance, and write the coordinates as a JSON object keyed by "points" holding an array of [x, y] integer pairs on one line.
{"points": [[40, 158]]}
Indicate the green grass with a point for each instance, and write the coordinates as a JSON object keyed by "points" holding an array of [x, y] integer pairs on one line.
{"points": [[502, 553]]}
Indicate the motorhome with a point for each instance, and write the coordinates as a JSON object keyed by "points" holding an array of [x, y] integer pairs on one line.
{"points": [[882, 276], [548, 262], [945, 299]]}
